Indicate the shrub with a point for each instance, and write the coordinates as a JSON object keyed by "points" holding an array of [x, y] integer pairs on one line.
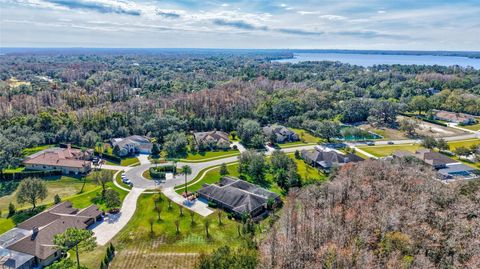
{"points": [[212, 204]]}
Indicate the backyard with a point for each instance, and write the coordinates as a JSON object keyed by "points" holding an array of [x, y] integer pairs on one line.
{"points": [[81, 193], [164, 244]]}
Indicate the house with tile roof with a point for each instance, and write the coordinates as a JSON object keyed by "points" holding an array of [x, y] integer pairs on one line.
{"points": [[132, 145], [239, 197], [68, 160], [30, 244]]}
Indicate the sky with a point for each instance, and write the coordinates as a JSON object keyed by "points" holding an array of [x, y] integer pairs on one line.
{"points": [[263, 24]]}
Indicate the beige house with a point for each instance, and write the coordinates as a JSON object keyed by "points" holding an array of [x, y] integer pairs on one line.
{"points": [[68, 160]]}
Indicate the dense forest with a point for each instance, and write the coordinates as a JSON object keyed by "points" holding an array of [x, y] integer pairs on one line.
{"points": [[84, 98], [378, 214]]}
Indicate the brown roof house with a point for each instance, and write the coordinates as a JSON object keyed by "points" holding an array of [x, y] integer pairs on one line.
{"points": [[328, 159], [30, 244], [211, 140], [239, 197], [454, 117], [68, 160]]}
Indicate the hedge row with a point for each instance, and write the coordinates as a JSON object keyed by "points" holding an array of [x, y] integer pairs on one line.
{"points": [[157, 174], [109, 157], [27, 173], [165, 168]]}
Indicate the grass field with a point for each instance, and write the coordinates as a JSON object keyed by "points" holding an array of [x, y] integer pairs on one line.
{"points": [[463, 143], [137, 247], [30, 151], [64, 186], [474, 127], [210, 155], [387, 150], [305, 136]]}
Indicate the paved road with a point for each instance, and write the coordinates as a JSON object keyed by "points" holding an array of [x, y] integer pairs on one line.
{"points": [[112, 224], [135, 173]]}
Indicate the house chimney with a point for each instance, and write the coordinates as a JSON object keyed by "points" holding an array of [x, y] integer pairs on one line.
{"points": [[34, 232]]}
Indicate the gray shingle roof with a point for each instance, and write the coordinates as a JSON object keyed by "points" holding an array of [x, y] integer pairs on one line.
{"points": [[237, 195], [327, 159]]}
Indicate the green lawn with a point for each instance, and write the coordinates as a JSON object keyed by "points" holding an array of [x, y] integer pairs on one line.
{"points": [[293, 144], [474, 127], [210, 177], [69, 189], [125, 161], [64, 186], [6, 224], [30, 151], [210, 155], [136, 242], [118, 179], [307, 173], [305, 136], [463, 143], [387, 150]]}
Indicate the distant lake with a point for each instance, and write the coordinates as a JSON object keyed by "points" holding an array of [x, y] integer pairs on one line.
{"points": [[367, 60]]}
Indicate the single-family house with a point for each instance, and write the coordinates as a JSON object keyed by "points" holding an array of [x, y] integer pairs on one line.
{"points": [[68, 160], [447, 168], [132, 145], [30, 244], [239, 197], [460, 118], [327, 159], [211, 140], [279, 133]]}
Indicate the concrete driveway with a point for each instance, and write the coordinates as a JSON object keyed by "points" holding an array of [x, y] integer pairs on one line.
{"points": [[112, 224]]}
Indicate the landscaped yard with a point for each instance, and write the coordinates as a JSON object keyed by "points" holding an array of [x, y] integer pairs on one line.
{"points": [[306, 136], [30, 151], [307, 173], [75, 189], [137, 247], [474, 127], [387, 150], [64, 186], [69, 189], [210, 155], [125, 161]]}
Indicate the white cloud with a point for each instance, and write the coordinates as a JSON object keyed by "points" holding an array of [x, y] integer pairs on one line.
{"points": [[333, 17]]}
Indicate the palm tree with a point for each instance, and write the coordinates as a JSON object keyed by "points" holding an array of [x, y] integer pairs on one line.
{"points": [[186, 170]]}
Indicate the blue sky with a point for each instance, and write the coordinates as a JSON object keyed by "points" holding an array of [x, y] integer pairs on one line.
{"points": [[321, 24]]}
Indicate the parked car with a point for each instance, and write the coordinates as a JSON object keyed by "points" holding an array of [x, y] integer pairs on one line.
{"points": [[390, 142], [370, 143]]}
